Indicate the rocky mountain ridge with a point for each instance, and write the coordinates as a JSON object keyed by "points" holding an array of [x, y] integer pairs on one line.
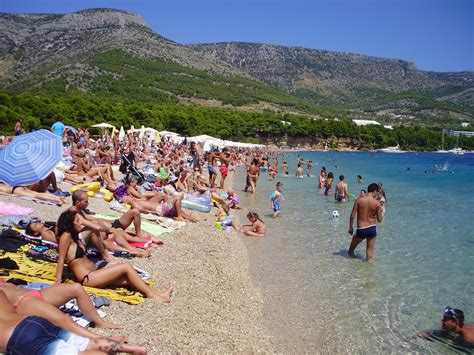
{"points": [[37, 49], [299, 70]]}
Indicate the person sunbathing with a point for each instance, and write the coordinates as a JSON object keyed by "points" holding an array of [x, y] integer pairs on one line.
{"points": [[140, 193], [45, 303], [22, 191], [106, 173], [118, 240], [22, 334], [71, 250], [166, 207]]}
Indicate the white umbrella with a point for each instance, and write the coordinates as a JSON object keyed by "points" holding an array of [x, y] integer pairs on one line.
{"points": [[201, 138], [121, 135], [103, 125], [168, 133]]}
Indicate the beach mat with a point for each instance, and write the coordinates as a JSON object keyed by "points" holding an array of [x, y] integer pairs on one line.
{"points": [[42, 271], [152, 228]]}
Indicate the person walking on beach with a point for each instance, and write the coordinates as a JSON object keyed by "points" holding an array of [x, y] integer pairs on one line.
{"points": [[341, 190], [253, 172], [276, 197], [212, 167], [58, 127], [368, 211]]}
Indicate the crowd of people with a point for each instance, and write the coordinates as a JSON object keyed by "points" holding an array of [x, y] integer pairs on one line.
{"points": [[156, 177]]}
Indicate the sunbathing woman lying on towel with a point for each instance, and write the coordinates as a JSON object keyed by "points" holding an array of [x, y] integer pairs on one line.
{"points": [[20, 334], [24, 192], [44, 303], [72, 251]]}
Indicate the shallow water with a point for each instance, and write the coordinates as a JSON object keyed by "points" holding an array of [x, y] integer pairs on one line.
{"points": [[318, 299]]}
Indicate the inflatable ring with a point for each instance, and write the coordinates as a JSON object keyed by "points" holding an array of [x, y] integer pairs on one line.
{"points": [[103, 193], [94, 186]]}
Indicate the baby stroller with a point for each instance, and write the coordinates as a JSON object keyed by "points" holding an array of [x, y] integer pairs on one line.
{"points": [[128, 168]]}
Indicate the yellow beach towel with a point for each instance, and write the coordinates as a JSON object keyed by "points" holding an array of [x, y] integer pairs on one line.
{"points": [[41, 271]]}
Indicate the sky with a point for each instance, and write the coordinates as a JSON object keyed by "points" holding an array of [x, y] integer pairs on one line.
{"points": [[437, 35]]}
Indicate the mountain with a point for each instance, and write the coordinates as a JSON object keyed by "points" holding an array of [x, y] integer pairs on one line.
{"points": [[320, 75], [114, 53]]}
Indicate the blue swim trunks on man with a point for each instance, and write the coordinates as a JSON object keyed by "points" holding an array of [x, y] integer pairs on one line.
{"points": [[211, 169], [276, 206], [367, 232], [35, 335]]}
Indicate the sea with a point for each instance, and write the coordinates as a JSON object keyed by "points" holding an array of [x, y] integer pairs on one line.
{"points": [[317, 299]]}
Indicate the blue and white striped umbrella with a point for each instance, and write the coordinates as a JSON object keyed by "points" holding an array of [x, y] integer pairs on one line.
{"points": [[30, 157]]}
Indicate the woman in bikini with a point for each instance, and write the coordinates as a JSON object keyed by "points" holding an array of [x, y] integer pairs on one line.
{"points": [[72, 251], [45, 303], [22, 191]]}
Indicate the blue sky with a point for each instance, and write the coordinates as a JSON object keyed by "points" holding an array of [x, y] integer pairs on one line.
{"points": [[435, 34]]}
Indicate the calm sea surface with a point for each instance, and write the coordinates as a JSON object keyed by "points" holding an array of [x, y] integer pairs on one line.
{"points": [[318, 299]]}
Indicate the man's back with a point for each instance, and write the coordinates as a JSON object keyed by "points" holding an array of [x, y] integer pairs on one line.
{"points": [[368, 210]]}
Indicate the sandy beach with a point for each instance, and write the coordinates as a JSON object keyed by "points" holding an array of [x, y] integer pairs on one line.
{"points": [[215, 306]]}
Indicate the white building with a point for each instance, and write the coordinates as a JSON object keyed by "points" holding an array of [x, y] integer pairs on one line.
{"points": [[365, 122]]}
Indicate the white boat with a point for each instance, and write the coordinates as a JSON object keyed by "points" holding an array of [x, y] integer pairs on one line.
{"points": [[395, 149], [457, 151]]}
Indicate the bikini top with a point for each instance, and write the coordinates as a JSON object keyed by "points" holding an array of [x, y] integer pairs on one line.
{"points": [[80, 253]]}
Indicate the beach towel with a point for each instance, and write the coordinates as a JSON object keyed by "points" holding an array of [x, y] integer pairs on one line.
{"points": [[42, 271], [12, 209], [37, 200], [17, 220], [151, 228]]}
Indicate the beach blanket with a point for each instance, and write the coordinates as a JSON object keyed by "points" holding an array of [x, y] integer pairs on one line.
{"points": [[42, 271], [12, 209], [152, 228]]}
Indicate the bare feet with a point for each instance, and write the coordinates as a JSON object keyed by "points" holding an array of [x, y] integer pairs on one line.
{"points": [[164, 297], [107, 325], [179, 219]]}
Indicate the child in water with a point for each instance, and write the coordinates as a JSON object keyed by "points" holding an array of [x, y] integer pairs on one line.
{"points": [[276, 198], [257, 227]]}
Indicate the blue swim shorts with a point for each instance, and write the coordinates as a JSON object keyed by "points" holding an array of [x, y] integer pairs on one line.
{"points": [[35, 335], [367, 232], [276, 206]]}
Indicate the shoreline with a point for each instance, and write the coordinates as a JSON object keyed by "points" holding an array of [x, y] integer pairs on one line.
{"points": [[215, 306]]}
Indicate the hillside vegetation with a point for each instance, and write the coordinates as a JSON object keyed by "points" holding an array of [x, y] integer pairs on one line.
{"points": [[84, 110]]}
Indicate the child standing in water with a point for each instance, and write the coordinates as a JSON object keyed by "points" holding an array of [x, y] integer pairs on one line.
{"points": [[257, 227], [276, 198]]}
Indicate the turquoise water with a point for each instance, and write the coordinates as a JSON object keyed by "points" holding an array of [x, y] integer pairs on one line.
{"points": [[318, 299]]}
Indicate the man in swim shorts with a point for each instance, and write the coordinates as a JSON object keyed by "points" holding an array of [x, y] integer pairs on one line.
{"points": [[341, 190], [35, 335], [368, 211]]}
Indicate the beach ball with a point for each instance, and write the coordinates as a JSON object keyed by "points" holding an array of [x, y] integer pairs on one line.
{"points": [[335, 214]]}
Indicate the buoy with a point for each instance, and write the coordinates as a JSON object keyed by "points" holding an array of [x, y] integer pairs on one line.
{"points": [[335, 214], [90, 193]]}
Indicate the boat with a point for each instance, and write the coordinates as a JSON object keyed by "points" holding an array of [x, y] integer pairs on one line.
{"points": [[457, 151], [395, 149], [442, 150]]}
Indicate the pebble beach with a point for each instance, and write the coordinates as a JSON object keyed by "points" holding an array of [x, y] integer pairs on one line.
{"points": [[215, 306]]}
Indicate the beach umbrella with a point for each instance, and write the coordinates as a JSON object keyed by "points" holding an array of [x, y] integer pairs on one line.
{"points": [[30, 157], [103, 125], [121, 135]]}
